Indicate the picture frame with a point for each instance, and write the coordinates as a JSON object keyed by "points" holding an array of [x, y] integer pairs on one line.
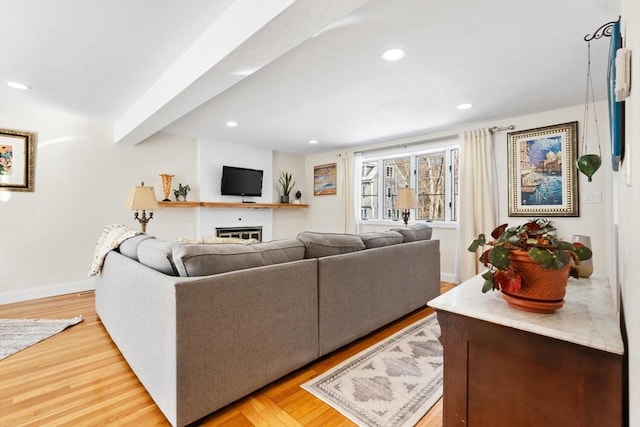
{"points": [[324, 179], [542, 173], [17, 159]]}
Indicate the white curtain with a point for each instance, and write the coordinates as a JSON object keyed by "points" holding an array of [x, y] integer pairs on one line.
{"points": [[478, 198], [349, 191]]}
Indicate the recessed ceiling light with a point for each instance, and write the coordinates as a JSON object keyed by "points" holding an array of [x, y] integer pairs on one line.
{"points": [[393, 54], [232, 124], [464, 106], [313, 141], [18, 85]]}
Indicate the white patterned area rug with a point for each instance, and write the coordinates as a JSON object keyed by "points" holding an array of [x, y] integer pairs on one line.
{"points": [[392, 384], [18, 334]]}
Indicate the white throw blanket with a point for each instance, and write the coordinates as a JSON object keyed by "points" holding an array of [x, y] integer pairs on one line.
{"points": [[111, 237]]}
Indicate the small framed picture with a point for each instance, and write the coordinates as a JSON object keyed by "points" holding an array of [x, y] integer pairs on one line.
{"points": [[17, 152], [542, 171], [324, 179]]}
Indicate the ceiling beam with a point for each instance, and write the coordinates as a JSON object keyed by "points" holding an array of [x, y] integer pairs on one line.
{"points": [[248, 36]]}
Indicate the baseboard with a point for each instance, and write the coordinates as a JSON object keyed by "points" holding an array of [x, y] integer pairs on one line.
{"points": [[7, 297], [447, 277]]}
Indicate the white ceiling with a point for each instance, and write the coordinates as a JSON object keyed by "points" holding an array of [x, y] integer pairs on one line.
{"points": [[320, 74]]}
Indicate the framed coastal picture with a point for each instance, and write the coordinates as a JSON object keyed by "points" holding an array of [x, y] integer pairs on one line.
{"points": [[542, 173], [16, 160], [324, 179]]}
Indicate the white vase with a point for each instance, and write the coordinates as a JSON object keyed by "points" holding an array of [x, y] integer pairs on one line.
{"points": [[585, 268]]}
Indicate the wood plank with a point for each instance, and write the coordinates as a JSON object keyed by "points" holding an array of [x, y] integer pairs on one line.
{"points": [[79, 377], [241, 205]]}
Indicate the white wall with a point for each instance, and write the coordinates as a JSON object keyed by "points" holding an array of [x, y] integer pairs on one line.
{"points": [[82, 181], [289, 223], [327, 211], [594, 219], [212, 156], [627, 203]]}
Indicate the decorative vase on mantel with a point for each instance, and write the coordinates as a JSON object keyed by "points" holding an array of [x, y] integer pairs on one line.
{"points": [[166, 186], [543, 289]]}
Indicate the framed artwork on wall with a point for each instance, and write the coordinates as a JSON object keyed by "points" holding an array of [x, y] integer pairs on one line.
{"points": [[542, 173], [324, 179], [17, 152]]}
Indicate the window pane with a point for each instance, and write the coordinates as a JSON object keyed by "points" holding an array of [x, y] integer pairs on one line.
{"points": [[369, 195], [431, 187], [456, 171], [397, 173]]}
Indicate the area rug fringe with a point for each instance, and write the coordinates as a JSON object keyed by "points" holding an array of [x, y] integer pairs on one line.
{"points": [[391, 384], [18, 334]]}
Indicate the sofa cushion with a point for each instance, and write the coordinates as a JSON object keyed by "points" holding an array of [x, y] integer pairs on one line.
{"points": [[423, 230], [215, 240], [279, 251], [325, 244], [129, 247], [157, 254], [408, 234], [418, 231], [204, 260], [378, 239]]}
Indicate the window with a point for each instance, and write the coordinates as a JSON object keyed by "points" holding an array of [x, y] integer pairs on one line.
{"points": [[369, 190], [434, 175], [397, 176]]}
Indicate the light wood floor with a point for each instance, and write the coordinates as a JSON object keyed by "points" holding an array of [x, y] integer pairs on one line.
{"points": [[79, 378]]}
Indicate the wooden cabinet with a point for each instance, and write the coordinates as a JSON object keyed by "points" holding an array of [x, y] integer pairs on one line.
{"points": [[539, 370]]}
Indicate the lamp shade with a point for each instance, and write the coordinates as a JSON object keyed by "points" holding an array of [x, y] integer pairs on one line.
{"points": [[141, 198], [407, 199]]}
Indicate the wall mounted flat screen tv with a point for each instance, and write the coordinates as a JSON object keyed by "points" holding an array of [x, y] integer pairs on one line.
{"points": [[241, 181]]}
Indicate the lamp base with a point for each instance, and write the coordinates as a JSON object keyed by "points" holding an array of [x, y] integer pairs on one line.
{"points": [[143, 220], [405, 216]]}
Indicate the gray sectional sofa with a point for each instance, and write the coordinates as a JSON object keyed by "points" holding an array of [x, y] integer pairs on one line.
{"points": [[204, 325]]}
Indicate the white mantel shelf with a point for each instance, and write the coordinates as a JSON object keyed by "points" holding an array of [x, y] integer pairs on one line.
{"points": [[588, 317], [233, 205]]}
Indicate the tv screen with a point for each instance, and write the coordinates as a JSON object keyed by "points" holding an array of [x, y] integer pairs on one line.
{"points": [[241, 181]]}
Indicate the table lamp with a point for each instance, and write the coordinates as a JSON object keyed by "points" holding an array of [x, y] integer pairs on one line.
{"points": [[142, 198]]}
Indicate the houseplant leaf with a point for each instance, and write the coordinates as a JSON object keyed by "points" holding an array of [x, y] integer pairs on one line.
{"points": [[499, 257]]}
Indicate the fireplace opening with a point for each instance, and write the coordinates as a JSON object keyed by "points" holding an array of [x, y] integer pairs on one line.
{"points": [[240, 232]]}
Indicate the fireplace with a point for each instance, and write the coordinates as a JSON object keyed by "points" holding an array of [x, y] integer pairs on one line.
{"points": [[240, 232]]}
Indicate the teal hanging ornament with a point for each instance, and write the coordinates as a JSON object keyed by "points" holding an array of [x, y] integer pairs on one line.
{"points": [[588, 164]]}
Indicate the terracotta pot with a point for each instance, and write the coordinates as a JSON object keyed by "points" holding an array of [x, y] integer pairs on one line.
{"points": [[543, 289]]}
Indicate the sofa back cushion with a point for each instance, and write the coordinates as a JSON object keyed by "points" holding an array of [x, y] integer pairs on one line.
{"points": [[204, 260], [208, 259], [418, 231], [378, 239], [157, 254], [319, 245], [423, 230], [129, 247], [279, 251]]}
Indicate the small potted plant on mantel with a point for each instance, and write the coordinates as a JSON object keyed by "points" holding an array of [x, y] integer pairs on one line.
{"points": [[529, 264], [286, 183]]}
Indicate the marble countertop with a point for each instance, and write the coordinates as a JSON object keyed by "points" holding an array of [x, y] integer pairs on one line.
{"points": [[588, 317]]}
